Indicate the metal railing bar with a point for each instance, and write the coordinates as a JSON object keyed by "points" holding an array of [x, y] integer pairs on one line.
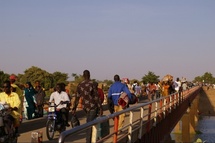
{"points": [[139, 107]]}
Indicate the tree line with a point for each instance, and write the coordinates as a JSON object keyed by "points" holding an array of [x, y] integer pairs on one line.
{"points": [[49, 80]]}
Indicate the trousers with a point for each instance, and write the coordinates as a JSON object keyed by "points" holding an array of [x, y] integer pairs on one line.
{"points": [[90, 115], [121, 117]]}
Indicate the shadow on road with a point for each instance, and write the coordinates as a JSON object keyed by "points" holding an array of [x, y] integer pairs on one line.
{"points": [[35, 124]]}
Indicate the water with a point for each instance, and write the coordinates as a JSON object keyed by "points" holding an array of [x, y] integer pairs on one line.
{"points": [[205, 131], [207, 126]]}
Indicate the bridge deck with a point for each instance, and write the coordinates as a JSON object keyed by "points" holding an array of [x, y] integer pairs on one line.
{"points": [[134, 123], [38, 124]]}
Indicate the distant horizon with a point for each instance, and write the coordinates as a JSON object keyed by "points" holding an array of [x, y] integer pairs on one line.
{"points": [[70, 75]]}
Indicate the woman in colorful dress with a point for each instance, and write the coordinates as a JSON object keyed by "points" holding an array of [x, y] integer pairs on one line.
{"points": [[29, 93]]}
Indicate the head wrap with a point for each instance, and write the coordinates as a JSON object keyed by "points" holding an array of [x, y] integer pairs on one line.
{"points": [[12, 77]]}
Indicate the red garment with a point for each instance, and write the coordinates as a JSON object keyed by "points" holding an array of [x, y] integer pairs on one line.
{"points": [[151, 88], [101, 94], [123, 100], [12, 77]]}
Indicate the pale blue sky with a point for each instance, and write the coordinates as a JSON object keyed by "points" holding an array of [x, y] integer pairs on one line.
{"points": [[108, 37]]}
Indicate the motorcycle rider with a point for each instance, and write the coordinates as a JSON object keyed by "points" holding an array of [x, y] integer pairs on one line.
{"points": [[11, 98], [61, 99]]}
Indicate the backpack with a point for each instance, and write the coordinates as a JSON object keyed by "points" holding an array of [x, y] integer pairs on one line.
{"points": [[133, 99]]}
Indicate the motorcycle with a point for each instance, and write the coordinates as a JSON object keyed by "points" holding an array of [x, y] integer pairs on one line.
{"points": [[54, 122], [7, 129]]}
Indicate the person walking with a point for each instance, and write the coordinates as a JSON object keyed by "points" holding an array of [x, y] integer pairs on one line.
{"points": [[37, 83], [115, 90], [178, 87], [39, 97], [151, 91], [91, 101], [137, 90], [100, 92], [165, 89], [30, 105]]}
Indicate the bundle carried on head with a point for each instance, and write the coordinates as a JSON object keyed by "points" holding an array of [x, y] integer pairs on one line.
{"points": [[167, 78]]}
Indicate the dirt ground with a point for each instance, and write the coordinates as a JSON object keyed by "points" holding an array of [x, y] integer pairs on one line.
{"points": [[207, 102]]}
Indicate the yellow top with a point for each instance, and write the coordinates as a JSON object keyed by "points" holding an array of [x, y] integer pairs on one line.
{"points": [[13, 99]]}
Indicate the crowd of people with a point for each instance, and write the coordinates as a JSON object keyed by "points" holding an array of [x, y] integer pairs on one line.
{"points": [[154, 90], [24, 102], [28, 102]]}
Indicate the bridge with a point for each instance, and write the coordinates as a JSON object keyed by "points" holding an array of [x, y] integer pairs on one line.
{"points": [[144, 122]]}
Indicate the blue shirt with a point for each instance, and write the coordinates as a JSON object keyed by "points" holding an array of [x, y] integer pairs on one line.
{"points": [[115, 91]]}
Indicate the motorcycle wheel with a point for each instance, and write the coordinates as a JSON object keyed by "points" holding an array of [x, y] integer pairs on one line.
{"points": [[50, 129]]}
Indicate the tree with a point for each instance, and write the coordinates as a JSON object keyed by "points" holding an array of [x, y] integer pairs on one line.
{"points": [[73, 84], [208, 77], [150, 77], [107, 84], [60, 77], [77, 78], [3, 77], [32, 74], [198, 79], [46, 79]]}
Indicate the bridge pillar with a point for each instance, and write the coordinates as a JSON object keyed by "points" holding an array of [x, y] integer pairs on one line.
{"points": [[189, 120], [185, 127], [187, 124], [194, 114], [196, 104]]}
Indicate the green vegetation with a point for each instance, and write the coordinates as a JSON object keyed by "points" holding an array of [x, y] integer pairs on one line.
{"points": [[150, 78], [3, 77], [206, 78], [49, 80]]}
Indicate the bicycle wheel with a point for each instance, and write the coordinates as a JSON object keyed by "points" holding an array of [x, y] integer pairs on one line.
{"points": [[50, 129]]}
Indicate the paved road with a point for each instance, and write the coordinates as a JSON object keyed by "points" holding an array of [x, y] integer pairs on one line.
{"points": [[29, 126]]}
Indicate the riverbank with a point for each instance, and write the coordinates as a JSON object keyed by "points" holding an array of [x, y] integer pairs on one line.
{"points": [[207, 102]]}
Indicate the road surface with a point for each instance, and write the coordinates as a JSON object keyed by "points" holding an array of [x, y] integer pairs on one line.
{"points": [[29, 126]]}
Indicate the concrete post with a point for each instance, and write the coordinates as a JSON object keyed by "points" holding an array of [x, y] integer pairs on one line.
{"points": [[197, 109], [192, 122], [193, 115], [186, 127]]}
